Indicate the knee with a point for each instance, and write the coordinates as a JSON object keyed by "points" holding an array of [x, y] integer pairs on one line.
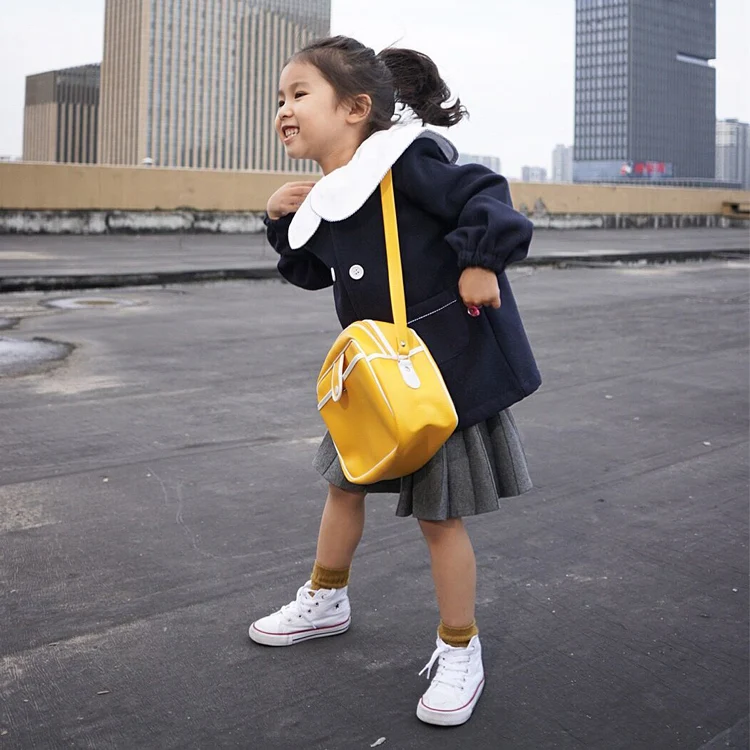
{"points": [[435, 531], [343, 496]]}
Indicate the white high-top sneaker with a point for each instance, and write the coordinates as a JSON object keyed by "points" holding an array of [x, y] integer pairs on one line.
{"points": [[456, 686], [313, 614]]}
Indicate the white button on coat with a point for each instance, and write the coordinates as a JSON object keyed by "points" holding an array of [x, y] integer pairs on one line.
{"points": [[333, 275], [356, 272]]}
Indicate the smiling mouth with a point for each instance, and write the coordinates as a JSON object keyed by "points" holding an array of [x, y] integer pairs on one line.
{"points": [[289, 132]]}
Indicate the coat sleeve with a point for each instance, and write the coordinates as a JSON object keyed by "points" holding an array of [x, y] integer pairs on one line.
{"points": [[300, 267], [473, 201]]}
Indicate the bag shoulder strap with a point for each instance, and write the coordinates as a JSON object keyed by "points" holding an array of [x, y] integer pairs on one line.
{"points": [[395, 272]]}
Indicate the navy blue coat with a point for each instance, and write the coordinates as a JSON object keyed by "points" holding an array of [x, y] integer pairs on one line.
{"points": [[449, 218]]}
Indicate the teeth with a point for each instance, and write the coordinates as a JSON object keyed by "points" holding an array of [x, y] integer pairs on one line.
{"points": [[290, 131]]}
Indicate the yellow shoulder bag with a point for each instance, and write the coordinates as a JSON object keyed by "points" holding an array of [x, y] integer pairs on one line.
{"points": [[380, 392]]}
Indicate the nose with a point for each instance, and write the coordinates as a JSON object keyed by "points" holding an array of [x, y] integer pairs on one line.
{"points": [[285, 111]]}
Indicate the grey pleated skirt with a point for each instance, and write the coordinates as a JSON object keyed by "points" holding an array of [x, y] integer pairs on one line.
{"points": [[469, 475]]}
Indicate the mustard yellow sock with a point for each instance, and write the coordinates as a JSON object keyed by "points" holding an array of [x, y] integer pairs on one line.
{"points": [[328, 578], [457, 637]]}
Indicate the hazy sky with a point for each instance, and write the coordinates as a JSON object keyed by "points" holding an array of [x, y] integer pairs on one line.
{"points": [[511, 61]]}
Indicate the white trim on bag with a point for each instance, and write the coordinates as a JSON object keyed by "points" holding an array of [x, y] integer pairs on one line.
{"points": [[345, 373], [360, 325], [357, 358], [382, 337], [351, 342]]}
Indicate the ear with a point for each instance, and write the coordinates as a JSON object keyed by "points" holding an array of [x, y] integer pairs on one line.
{"points": [[359, 109]]}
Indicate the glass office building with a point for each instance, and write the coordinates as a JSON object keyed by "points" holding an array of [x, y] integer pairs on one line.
{"points": [[645, 90]]}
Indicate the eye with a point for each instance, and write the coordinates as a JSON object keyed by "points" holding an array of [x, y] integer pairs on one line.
{"points": [[300, 94], [281, 103]]}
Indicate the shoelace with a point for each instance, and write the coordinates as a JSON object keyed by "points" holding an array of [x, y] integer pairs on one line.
{"points": [[300, 607], [452, 665]]}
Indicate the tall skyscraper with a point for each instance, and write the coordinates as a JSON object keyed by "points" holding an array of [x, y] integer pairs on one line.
{"points": [[533, 174], [645, 89], [193, 83], [562, 163], [733, 152], [61, 115]]}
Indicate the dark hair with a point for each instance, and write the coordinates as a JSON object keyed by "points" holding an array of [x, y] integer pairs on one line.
{"points": [[393, 76]]}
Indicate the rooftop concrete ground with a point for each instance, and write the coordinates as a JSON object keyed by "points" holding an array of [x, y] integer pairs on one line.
{"points": [[156, 495]]}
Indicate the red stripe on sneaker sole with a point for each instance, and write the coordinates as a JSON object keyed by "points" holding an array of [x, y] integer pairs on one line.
{"points": [[318, 634], [298, 632]]}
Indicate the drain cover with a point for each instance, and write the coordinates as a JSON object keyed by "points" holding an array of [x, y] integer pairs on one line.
{"points": [[83, 303]]}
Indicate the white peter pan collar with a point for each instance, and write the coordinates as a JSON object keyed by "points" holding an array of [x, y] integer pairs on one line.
{"points": [[340, 194]]}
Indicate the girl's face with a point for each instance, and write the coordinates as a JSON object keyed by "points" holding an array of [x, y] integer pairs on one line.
{"points": [[311, 122]]}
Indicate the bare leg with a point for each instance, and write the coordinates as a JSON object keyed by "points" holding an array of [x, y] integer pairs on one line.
{"points": [[340, 528], [454, 570]]}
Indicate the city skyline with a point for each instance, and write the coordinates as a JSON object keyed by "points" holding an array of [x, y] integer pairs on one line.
{"points": [[521, 101]]}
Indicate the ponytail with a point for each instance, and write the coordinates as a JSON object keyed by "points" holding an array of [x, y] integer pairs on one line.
{"points": [[418, 85]]}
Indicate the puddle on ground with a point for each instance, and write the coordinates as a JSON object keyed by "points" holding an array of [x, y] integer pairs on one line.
{"points": [[19, 357]]}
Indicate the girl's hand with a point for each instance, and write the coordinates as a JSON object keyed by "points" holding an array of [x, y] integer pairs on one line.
{"points": [[478, 287], [287, 199]]}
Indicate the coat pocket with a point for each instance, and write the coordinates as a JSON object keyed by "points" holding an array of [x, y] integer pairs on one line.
{"points": [[442, 323]]}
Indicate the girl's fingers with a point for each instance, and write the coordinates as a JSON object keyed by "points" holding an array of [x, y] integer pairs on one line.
{"points": [[299, 194], [486, 302]]}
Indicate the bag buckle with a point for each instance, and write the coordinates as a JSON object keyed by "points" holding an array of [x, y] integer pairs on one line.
{"points": [[408, 373]]}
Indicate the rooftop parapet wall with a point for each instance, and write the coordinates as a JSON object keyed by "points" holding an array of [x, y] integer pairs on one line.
{"points": [[27, 188], [75, 187]]}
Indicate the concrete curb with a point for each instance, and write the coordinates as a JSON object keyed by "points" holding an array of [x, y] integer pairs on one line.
{"points": [[49, 283], [652, 258]]}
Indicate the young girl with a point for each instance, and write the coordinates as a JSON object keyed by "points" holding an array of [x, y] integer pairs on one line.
{"points": [[458, 232]]}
